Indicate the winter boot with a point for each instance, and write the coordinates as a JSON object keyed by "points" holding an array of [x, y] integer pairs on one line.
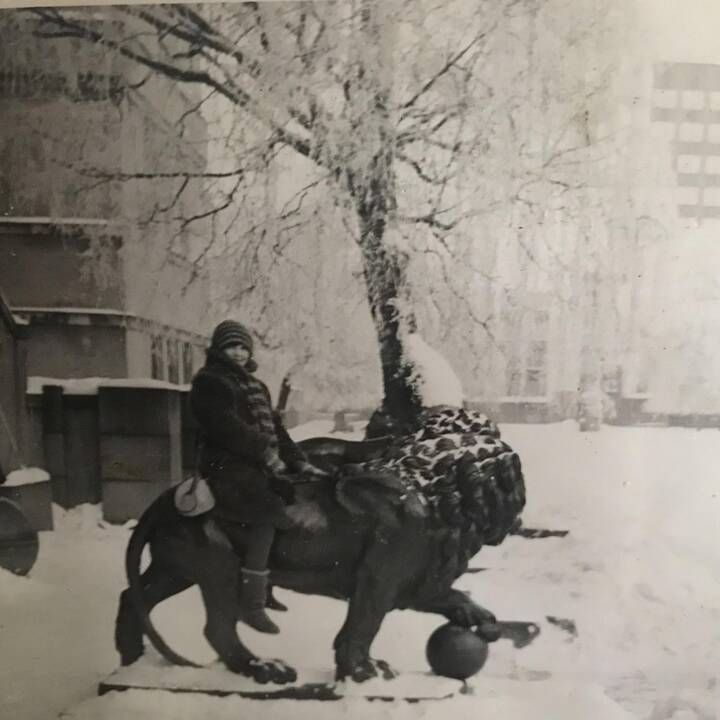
{"points": [[272, 603], [252, 601]]}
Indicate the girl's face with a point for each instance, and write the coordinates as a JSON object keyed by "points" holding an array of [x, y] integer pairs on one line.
{"points": [[238, 354]]}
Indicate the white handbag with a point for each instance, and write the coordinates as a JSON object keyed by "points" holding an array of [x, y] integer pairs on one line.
{"points": [[194, 497]]}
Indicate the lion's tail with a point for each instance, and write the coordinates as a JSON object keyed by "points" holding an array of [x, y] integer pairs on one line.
{"points": [[133, 556]]}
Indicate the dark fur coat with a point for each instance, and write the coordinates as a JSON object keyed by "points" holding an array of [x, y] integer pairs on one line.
{"points": [[232, 445]]}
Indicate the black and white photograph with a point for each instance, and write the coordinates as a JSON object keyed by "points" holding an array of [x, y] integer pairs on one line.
{"points": [[360, 359]]}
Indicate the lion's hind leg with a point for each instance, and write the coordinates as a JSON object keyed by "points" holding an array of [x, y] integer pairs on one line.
{"points": [[219, 577]]}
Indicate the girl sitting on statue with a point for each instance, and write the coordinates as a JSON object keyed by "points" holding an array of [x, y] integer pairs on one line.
{"points": [[245, 454]]}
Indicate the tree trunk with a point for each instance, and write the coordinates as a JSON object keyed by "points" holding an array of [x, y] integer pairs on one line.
{"points": [[384, 269], [370, 179]]}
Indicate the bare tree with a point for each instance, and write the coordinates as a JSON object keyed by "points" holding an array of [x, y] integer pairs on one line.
{"points": [[357, 89], [429, 135]]}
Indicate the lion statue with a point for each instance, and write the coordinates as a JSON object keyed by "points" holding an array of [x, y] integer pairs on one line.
{"points": [[403, 515]]}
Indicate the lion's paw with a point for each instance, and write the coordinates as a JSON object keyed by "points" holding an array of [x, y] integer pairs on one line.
{"points": [[369, 669], [490, 631], [471, 615], [270, 671]]}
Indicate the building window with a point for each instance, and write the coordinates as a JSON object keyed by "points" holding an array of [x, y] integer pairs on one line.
{"points": [[535, 372], [541, 323], [526, 373], [187, 362], [173, 359], [685, 96], [198, 356], [157, 358], [535, 381], [513, 377], [537, 351], [537, 354]]}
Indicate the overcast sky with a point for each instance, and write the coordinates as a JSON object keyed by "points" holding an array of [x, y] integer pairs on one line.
{"points": [[676, 30], [681, 30]]}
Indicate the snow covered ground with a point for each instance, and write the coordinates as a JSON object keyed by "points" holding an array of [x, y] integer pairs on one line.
{"points": [[638, 575]]}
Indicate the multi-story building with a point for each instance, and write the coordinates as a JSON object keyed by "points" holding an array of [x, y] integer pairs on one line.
{"points": [[684, 372], [91, 257], [572, 279]]}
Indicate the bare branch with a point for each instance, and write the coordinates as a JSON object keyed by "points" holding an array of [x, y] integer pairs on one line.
{"points": [[159, 209], [430, 220], [415, 165], [462, 298], [449, 65], [232, 92], [115, 176], [213, 211]]}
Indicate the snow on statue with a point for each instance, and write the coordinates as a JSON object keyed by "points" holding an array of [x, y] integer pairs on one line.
{"points": [[404, 516], [434, 378], [431, 382]]}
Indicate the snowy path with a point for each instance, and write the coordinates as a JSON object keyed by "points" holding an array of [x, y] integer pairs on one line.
{"points": [[638, 574]]}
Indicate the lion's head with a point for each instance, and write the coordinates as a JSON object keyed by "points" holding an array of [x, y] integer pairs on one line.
{"points": [[458, 469]]}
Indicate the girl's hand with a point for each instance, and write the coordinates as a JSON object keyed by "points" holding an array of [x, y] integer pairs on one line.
{"points": [[307, 515], [310, 469], [273, 461]]}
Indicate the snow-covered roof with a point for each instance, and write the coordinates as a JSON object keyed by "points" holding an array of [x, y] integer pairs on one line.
{"points": [[26, 476], [511, 399], [72, 310], [90, 385], [55, 221], [120, 316], [524, 398]]}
